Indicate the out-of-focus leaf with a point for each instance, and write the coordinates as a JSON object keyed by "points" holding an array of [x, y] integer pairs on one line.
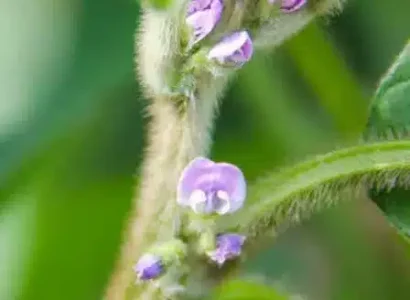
{"points": [[103, 60], [247, 290], [16, 240], [282, 118], [396, 205], [159, 4], [80, 209], [390, 109], [329, 78]]}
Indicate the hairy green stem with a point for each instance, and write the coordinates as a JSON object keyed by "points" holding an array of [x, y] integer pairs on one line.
{"points": [[179, 130], [175, 137]]}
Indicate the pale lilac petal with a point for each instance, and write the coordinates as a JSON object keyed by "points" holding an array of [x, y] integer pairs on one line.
{"points": [[148, 267], [228, 246], [203, 16], [292, 5], [187, 181], [228, 45], [231, 180], [236, 48], [199, 202], [224, 205], [202, 23], [197, 5]]}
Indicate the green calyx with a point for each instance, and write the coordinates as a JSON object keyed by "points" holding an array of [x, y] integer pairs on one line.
{"points": [[171, 252]]}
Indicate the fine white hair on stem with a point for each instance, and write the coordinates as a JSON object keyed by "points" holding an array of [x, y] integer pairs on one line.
{"points": [[157, 50]]}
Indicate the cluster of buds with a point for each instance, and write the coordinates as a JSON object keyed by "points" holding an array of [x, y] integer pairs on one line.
{"points": [[209, 190], [206, 189], [212, 190], [235, 48], [159, 258]]}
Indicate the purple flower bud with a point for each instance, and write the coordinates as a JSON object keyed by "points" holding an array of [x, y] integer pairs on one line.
{"points": [[209, 187], [235, 49], [228, 246], [202, 16], [292, 5], [148, 267]]}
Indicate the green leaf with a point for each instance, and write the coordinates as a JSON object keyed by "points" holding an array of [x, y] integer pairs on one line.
{"points": [[287, 197], [390, 109], [339, 94], [244, 290], [395, 204], [390, 114]]}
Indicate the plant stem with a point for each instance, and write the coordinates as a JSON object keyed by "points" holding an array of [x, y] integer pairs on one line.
{"points": [[177, 134]]}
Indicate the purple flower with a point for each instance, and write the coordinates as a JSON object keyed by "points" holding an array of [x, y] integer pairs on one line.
{"points": [[236, 49], [292, 5], [228, 246], [148, 267], [209, 187], [202, 16]]}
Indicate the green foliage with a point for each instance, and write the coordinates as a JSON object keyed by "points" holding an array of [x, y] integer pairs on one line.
{"points": [[390, 109], [390, 114], [247, 290], [397, 209]]}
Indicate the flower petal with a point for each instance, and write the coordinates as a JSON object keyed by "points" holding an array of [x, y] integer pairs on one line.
{"points": [[210, 187], [236, 48], [189, 177], [224, 202], [199, 202], [197, 5], [228, 246], [148, 267], [232, 181], [203, 17], [292, 5]]}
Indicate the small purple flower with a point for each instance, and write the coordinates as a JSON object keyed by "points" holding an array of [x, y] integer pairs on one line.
{"points": [[202, 16], [209, 187], [148, 267], [228, 246], [236, 49], [292, 5]]}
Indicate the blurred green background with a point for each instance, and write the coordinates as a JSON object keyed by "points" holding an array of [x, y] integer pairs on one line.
{"points": [[72, 135]]}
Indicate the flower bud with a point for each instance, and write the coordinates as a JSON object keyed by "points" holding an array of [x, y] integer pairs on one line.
{"points": [[148, 267], [234, 49], [228, 246], [292, 5], [202, 16], [160, 258]]}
